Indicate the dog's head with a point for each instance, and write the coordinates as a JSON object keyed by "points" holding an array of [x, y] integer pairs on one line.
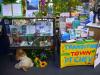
{"points": [[19, 54]]}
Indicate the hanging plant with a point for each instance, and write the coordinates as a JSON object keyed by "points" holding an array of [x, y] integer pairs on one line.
{"points": [[9, 1]]}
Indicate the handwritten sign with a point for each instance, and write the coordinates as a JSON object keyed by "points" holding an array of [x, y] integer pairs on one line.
{"points": [[72, 54]]}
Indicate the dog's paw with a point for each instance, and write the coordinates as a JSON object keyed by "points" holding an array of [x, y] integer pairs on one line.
{"points": [[17, 66]]}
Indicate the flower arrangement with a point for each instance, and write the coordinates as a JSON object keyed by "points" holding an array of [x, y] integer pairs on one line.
{"points": [[39, 63]]}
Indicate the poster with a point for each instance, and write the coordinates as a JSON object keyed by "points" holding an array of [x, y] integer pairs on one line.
{"points": [[14, 29], [72, 54], [6, 10], [32, 7], [17, 9], [32, 4], [44, 28], [12, 9]]}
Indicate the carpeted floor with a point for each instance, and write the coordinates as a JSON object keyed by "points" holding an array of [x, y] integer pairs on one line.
{"points": [[7, 68]]}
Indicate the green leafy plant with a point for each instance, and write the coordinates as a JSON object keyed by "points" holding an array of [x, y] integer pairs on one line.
{"points": [[9, 1], [71, 4], [65, 5]]}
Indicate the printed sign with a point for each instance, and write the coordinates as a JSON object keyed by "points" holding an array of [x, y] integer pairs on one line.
{"points": [[72, 54]]}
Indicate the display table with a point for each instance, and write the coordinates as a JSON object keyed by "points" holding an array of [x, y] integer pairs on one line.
{"points": [[72, 54]]}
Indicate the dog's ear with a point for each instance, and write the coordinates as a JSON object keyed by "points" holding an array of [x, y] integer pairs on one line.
{"points": [[19, 53]]}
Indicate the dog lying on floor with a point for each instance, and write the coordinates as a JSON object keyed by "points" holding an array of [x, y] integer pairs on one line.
{"points": [[24, 62]]}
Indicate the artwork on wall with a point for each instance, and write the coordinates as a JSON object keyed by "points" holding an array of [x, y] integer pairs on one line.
{"points": [[14, 9], [32, 6]]}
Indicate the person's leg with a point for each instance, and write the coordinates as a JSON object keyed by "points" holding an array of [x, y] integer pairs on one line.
{"points": [[99, 14], [94, 17]]}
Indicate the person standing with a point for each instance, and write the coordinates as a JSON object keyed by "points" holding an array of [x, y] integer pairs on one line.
{"points": [[95, 10], [98, 11]]}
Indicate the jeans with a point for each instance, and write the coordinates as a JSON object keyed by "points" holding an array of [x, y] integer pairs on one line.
{"points": [[94, 17], [99, 14]]}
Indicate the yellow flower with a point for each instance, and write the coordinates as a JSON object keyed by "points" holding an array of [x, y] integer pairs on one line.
{"points": [[43, 64], [36, 59]]}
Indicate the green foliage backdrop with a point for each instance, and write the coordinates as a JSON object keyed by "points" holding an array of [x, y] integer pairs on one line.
{"points": [[9, 1], [65, 5]]}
